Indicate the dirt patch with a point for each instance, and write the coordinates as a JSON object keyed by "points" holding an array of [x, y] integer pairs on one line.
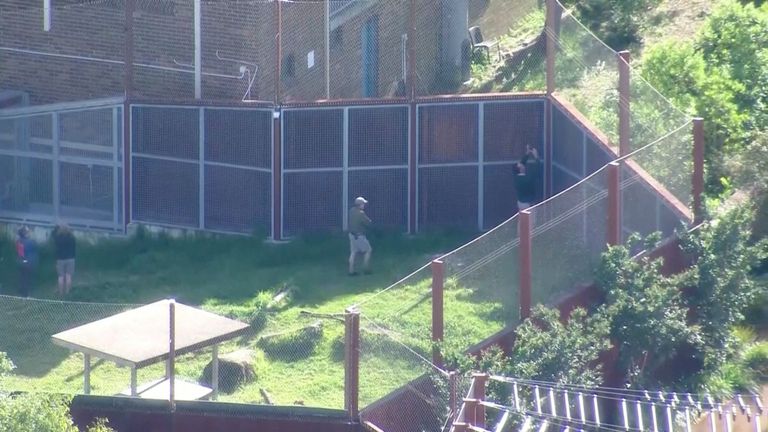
{"points": [[679, 20]]}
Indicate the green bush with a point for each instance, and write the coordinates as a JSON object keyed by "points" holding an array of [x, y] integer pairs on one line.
{"points": [[33, 412], [756, 359], [616, 22]]}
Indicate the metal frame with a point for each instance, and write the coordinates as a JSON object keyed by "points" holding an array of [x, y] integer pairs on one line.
{"points": [[202, 163], [112, 159]]}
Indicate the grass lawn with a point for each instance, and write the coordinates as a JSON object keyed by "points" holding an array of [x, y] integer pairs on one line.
{"points": [[236, 277]]}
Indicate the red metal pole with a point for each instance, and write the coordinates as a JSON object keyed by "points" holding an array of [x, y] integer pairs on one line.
{"points": [[624, 101], [130, 5], [525, 271], [698, 169], [438, 281], [413, 119], [351, 363], [551, 45], [613, 236], [479, 395]]}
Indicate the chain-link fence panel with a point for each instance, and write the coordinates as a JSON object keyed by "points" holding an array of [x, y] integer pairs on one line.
{"points": [[448, 197], [568, 229], [648, 204], [586, 74], [63, 166], [238, 50], [400, 388], [164, 50], [481, 285], [652, 116], [41, 366], [81, 45]]}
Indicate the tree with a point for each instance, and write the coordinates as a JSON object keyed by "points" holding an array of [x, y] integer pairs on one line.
{"points": [[646, 314]]}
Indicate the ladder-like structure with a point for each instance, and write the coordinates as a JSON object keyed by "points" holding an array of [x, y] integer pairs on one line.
{"points": [[548, 407]]}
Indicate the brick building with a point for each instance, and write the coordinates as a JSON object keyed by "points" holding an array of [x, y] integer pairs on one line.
{"points": [[76, 51]]}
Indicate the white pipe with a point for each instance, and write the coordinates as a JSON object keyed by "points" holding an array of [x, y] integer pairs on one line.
{"points": [[198, 53], [46, 15]]}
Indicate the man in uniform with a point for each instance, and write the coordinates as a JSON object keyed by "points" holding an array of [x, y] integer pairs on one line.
{"points": [[358, 243]]}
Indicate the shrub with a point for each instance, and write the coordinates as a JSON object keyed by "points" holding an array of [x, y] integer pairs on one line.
{"points": [[293, 345]]}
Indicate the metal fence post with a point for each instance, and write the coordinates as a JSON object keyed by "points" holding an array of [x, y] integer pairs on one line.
{"points": [[130, 6], [351, 362], [277, 175], [625, 144], [453, 398], [613, 236], [525, 271], [278, 51], [698, 169], [479, 395], [438, 284], [172, 354]]}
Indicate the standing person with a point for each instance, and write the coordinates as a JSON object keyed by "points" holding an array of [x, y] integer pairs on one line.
{"points": [[533, 169], [358, 243], [523, 187], [26, 251], [64, 242]]}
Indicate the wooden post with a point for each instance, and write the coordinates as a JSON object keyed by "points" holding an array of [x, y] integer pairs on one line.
{"points": [[613, 236], [551, 44], [172, 354], [698, 169], [625, 145], [470, 410], [86, 373], [525, 271], [351, 362], [438, 283], [479, 395]]}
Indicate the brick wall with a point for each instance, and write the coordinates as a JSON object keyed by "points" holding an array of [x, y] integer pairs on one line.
{"points": [[242, 31]]}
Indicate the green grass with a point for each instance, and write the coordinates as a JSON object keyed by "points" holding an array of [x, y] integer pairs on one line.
{"points": [[238, 277]]}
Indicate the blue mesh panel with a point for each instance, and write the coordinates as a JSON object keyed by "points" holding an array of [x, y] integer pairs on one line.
{"points": [[312, 202], [448, 133], [567, 143], [313, 138], [165, 192], [509, 126], [378, 136], [238, 200], [239, 137], [448, 197], [166, 131], [387, 193]]}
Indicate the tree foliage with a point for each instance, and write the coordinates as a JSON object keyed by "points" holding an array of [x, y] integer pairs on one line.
{"points": [[616, 22]]}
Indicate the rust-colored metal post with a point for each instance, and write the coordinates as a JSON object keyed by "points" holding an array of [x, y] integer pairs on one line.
{"points": [[698, 169], [277, 175], [278, 51], [479, 395], [470, 410], [130, 6], [453, 396], [624, 101], [526, 270], [613, 236], [412, 118], [438, 283], [551, 44], [351, 362]]}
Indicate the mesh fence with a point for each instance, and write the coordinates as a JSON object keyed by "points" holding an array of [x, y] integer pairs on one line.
{"points": [[652, 116], [568, 229], [586, 74], [416, 390], [63, 165], [655, 188], [189, 165], [481, 290], [81, 45]]}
